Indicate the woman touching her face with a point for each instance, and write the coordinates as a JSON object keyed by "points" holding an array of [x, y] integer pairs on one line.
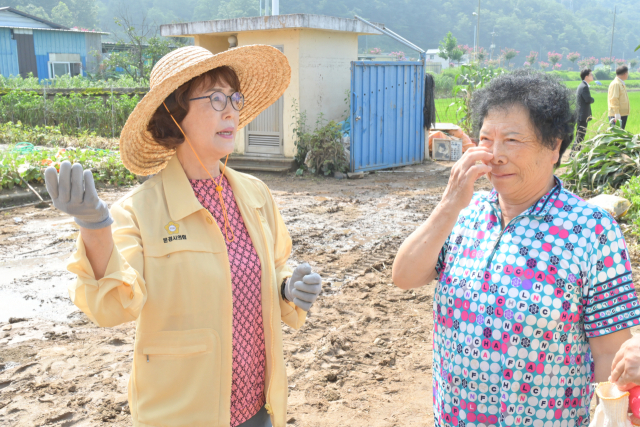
{"points": [[534, 292]]}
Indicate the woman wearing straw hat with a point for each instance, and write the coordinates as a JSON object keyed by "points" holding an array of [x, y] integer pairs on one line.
{"points": [[197, 254]]}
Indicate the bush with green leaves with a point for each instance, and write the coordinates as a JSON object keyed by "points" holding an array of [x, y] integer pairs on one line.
{"points": [[443, 85], [320, 150], [602, 74], [469, 79], [68, 82], [18, 168], [567, 76], [74, 114], [450, 72], [608, 160], [52, 136], [631, 191]]}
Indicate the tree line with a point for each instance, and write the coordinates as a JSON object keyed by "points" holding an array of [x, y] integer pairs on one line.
{"points": [[523, 25]]}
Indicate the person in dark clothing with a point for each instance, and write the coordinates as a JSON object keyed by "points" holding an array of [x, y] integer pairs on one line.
{"points": [[584, 101], [429, 109]]}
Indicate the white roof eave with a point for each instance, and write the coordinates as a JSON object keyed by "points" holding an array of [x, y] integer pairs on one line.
{"points": [[267, 23]]}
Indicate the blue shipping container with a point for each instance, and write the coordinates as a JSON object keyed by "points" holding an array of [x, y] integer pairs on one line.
{"points": [[387, 123]]}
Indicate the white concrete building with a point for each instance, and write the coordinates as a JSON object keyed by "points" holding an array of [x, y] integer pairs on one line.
{"points": [[319, 49], [433, 58]]}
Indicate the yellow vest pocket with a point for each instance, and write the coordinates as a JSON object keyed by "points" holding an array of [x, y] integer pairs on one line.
{"points": [[177, 377]]}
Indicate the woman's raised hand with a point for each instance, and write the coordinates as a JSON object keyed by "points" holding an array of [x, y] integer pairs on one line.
{"points": [[74, 193], [466, 171]]}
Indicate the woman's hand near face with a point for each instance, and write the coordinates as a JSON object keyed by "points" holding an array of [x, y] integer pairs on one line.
{"points": [[463, 176], [415, 264]]}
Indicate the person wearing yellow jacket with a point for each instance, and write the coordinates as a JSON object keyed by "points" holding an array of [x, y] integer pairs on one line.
{"points": [[618, 99], [197, 255]]}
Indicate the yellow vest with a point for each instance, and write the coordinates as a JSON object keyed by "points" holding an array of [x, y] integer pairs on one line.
{"points": [[618, 99], [169, 271]]}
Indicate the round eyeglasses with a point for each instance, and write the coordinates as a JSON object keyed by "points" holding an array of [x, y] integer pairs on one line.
{"points": [[219, 100]]}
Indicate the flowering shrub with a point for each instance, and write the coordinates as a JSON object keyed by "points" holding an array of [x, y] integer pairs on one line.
{"points": [[508, 54], [557, 66], [493, 63], [399, 55], [481, 54], [466, 49], [621, 62], [543, 65], [531, 58], [554, 57], [587, 63], [607, 62], [375, 51], [573, 57]]}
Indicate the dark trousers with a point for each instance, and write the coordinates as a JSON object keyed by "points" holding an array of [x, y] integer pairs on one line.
{"points": [[623, 121], [261, 419], [582, 129], [577, 144]]}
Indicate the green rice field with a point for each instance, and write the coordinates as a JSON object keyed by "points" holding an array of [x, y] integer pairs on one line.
{"points": [[605, 84], [599, 109]]}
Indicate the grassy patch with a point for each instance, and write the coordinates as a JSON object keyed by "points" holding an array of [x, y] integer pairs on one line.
{"points": [[598, 108], [605, 84]]}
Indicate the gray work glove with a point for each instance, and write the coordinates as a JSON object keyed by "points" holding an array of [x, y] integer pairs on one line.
{"points": [[303, 287], [74, 193]]}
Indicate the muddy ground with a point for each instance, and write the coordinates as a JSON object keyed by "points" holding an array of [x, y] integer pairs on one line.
{"points": [[362, 359]]}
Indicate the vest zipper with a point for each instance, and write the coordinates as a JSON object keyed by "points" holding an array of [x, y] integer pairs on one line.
{"points": [[268, 393], [215, 223]]}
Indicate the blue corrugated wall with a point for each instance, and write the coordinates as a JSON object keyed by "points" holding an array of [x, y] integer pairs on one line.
{"points": [[47, 42], [8, 54], [386, 114]]}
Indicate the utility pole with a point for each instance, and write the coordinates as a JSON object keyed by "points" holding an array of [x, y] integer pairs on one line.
{"points": [[493, 46], [474, 40], [478, 34], [612, 31]]}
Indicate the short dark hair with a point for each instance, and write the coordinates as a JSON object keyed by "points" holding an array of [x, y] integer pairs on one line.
{"points": [[623, 69], [161, 126], [550, 104], [584, 73]]}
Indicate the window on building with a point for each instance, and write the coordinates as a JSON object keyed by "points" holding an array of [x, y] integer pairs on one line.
{"points": [[57, 69]]}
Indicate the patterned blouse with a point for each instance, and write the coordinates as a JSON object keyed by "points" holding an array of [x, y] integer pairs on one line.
{"points": [[515, 307], [248, 342]]}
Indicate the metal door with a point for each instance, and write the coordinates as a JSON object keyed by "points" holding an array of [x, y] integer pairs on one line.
{"points": [[264, 135], [26, 52], [386, 114]]}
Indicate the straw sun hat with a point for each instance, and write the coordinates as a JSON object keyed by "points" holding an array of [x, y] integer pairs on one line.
{"points": [[264, 74]]}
